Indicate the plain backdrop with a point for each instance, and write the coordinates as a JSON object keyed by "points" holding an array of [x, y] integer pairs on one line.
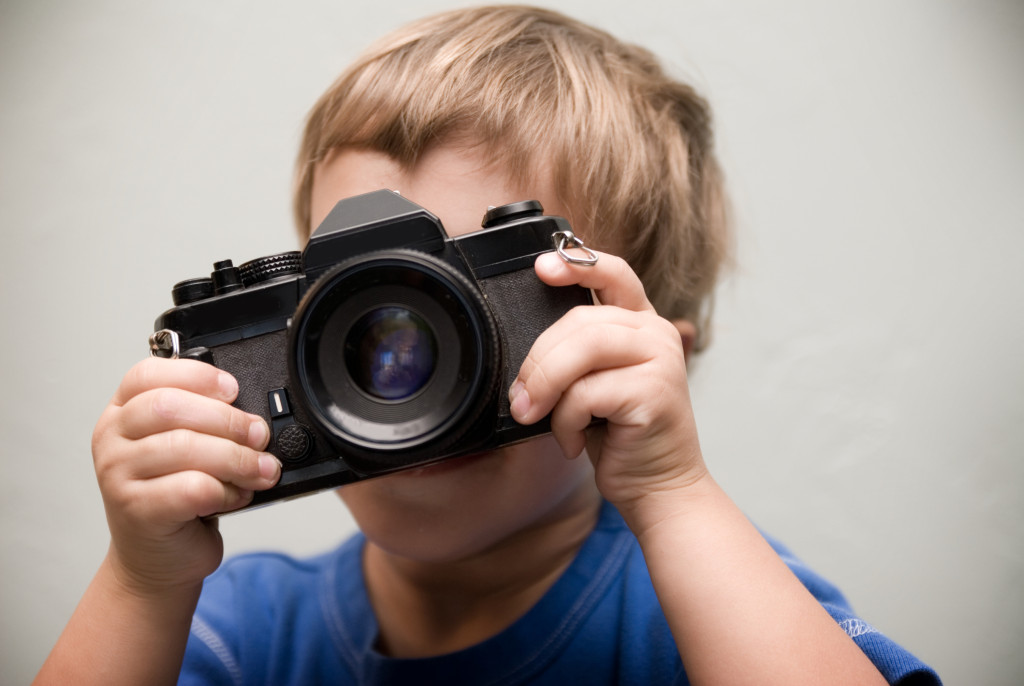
{"points": [[864, 396]]}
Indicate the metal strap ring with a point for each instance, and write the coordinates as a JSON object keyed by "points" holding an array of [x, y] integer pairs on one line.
{"points": [[565, 240], [165, 343]]}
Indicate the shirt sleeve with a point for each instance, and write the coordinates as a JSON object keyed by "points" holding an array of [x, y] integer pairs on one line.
{"points": [[212, 654], [209, 660], [233, 620], [895, 663]]}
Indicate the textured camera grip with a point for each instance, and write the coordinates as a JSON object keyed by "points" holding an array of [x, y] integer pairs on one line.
{"points": [[524, 307], [259, 364]]}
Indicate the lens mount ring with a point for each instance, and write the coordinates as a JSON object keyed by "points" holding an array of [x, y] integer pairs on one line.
{"points": [[376, 434]]}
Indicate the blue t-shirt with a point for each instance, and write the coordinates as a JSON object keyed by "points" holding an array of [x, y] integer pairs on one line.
{"points": [[272, 619]]}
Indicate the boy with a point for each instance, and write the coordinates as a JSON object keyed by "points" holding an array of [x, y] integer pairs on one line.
{"points": [[624, 563]]}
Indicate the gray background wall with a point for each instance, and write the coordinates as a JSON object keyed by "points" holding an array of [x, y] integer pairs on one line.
{"points": [[863, 400]]}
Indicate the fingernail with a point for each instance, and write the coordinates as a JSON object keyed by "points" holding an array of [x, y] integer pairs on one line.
{"points": [[245, 495], [519, 399], [227, 384], [258, 434], [517, 386], [270, 467]]}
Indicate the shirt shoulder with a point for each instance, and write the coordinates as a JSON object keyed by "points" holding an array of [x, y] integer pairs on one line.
{"points": [[896, 664], [265, 613]]}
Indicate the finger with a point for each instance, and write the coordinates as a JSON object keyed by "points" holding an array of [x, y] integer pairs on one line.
{"points": [[183, 496], [611, 278], [166, 409], [183, 450], [583, 400], [584, 340], [189, 375], [614, 394], [577, 320], [569, 420], [546, 374]]}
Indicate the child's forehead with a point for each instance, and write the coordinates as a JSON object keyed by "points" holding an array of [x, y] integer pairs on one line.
{"points": [[457, 183]]}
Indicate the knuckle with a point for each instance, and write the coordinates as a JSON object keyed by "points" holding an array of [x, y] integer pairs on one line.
{"points": [[247, 465], [104, 448], [143, 375], [202, 492], [237, 424], [103, 464], [199, 375], [620, 266], [527, 367], [146, 370], [594, 334], [180, 443], [123, 498], [580, 394], [108, 453], [669, 329], [101, 432], [98, 439], [164, 403], [578, 313], [136, 376], [540, 381], [193, 488], [628, 275]]}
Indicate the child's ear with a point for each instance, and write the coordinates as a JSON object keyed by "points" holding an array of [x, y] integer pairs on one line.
{"points": [[688, 334]]}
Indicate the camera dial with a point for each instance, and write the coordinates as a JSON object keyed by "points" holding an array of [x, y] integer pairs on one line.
{"points": [[510, 212], [270, 267]]}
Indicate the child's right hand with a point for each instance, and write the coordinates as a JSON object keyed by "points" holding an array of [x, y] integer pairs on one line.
{"points": [[169, 450]]}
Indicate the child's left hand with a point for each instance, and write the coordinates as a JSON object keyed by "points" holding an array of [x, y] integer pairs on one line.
{"points": [[717, 579], [622, 362]]}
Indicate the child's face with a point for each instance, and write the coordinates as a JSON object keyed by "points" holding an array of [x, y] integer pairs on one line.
{"points": [[457, 508]]}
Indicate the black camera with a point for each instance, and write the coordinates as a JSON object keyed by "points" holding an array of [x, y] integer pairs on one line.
{"points": [[382, 346]]}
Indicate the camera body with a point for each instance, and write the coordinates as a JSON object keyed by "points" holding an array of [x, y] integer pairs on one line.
{"points": [[384, 345]]}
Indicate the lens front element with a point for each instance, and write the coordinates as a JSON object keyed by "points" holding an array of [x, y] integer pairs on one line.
{"points": [[391, 353]]}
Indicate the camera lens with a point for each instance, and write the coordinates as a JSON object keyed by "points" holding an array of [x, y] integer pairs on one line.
{"points": [[391, 353], [394, 356]]}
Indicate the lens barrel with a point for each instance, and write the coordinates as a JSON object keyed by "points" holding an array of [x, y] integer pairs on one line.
{"points": [[395, 355]]}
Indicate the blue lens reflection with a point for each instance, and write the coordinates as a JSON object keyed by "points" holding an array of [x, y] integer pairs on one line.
{"points": [[391, 353]]}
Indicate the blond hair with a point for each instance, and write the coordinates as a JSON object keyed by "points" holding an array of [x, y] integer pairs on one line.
{"points": [[629, 149]]}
